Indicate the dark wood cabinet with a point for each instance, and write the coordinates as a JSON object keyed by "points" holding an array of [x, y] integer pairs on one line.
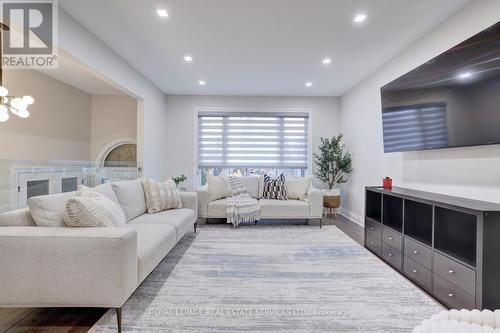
{"points": [[447, 245]]}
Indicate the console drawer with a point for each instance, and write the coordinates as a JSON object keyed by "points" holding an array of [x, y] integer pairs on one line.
{"points": [[392, 238], [456, 273], [418, 252], [451, 295], [374, 228], [418, 273], [374, 244], [391, 256]]}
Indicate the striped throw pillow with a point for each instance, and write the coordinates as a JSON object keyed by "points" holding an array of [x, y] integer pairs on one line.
{"points": [[274, 188], [161, 196]]}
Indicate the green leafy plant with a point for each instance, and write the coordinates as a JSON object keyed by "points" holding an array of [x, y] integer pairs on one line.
{"points": [[179, 179], [333, 162]]}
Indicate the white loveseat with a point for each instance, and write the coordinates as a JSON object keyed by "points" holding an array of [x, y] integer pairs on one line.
{"points": [[87, 267], [309, 208]]}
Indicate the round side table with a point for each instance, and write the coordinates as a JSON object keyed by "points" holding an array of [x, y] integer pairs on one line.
{"points": [[331, 202]]}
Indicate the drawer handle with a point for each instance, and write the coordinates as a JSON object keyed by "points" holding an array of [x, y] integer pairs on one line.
{"points": [[415, 252], [451, 271], [390, 238], [372, 228], [390, 254], [451, 295], [415, 271], [372, 243]]}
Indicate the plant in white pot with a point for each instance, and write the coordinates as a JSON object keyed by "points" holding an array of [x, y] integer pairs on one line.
{"points": [[333, 164]]}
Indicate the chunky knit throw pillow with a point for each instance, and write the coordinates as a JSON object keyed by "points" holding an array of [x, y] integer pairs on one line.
{"points": [[92, 209]]}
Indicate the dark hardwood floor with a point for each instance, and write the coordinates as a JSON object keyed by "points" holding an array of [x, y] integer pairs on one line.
{"points": [[79, 320]]}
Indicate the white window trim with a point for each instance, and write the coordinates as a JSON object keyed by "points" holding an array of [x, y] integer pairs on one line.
{"points": [[263, 110]]}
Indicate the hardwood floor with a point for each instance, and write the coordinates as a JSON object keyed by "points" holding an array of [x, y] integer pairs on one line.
{"points": [[79, 320]]}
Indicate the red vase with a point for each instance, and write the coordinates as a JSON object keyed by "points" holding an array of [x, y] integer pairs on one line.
{"points": [[387, 182]]}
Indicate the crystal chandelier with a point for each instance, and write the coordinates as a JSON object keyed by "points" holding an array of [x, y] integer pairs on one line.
{"points": [[16, 105]]}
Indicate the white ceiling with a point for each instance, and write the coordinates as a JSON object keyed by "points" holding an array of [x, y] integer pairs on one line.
{"points": [[259, 47], [74, 73]]}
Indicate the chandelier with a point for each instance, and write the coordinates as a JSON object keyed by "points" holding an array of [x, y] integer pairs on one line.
{"points": [[16, 105]]}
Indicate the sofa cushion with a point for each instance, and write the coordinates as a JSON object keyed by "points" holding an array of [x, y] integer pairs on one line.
{"points": [[154, 242], [296, 188], [17, 218], [181, 219], [131, 196], [284, 208], [251, 184], [218, 188], [92, 209], [47, 210], [104, 189], [161, 196], [274, 188], [217, 208]]}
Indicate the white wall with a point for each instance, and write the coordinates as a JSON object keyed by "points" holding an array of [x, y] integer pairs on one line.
{"points": [[181, 122], [79, 42], [112, 117], [58, 127], [467, 172]]}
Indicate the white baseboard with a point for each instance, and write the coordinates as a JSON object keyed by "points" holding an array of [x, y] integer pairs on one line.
{"points": [[356, 218]]}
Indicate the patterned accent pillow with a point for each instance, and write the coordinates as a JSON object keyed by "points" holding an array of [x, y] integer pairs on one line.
{"points": [[161, 196], [274, 188], [92, 209]]}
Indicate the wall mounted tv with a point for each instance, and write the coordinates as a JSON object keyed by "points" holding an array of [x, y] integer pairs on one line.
{"points": [[451, 101]]}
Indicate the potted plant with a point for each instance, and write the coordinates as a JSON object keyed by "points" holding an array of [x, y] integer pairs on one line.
{"points": [[178, 180], [333, 166]]}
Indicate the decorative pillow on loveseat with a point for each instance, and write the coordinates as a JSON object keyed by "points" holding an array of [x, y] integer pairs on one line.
{"points": [[297, 188], [92, 209], [274, 188], [218, 188], [161, 196]]}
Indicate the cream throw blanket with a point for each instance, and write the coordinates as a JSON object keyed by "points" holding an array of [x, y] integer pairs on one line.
{"points": [[241, 207]]}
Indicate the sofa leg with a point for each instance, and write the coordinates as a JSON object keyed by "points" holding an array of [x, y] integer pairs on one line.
{"points": [[320, 223], [195, 226], [256, 222], [119, 319]]}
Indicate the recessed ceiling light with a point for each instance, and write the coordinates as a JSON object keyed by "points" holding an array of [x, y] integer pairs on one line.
{"points": [[359, 18], [327, 61], [162, 12], [464, 75], [309, 84], [202, 82], [188, 58]]}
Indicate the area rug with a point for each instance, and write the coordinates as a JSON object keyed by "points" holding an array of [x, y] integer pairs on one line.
{"points": [[272, 278]]}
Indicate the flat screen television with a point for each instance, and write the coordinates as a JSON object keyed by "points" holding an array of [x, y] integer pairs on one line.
{"points": [[450, 101]]}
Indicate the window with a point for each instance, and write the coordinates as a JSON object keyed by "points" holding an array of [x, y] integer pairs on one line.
{"points": [[122, 156], [37, 187], [252, 143], [69, 184], [415, 127]]}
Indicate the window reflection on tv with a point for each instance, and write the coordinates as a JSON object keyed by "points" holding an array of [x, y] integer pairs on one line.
{"points": [[451, 101]]}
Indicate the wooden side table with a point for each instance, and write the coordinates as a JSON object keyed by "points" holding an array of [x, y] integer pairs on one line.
{"points": [[332, 203]]}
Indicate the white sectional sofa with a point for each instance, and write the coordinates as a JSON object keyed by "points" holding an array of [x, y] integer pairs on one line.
{"points": [[310, 208], [87, 267]]}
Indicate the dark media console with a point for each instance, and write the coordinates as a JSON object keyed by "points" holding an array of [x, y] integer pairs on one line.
{"points": [[448, 246]]}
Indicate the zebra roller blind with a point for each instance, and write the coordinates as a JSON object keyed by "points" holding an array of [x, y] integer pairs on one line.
{"points": [[253, 140], [415, 127]]}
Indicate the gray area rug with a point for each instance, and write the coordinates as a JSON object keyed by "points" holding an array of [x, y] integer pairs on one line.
{"points": [[272, 278]]}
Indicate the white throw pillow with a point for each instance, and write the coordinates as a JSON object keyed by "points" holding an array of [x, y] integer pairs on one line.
{"points": [[92, 209], [297, 188], [47, 210], [218, 188], [161, 196]]}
